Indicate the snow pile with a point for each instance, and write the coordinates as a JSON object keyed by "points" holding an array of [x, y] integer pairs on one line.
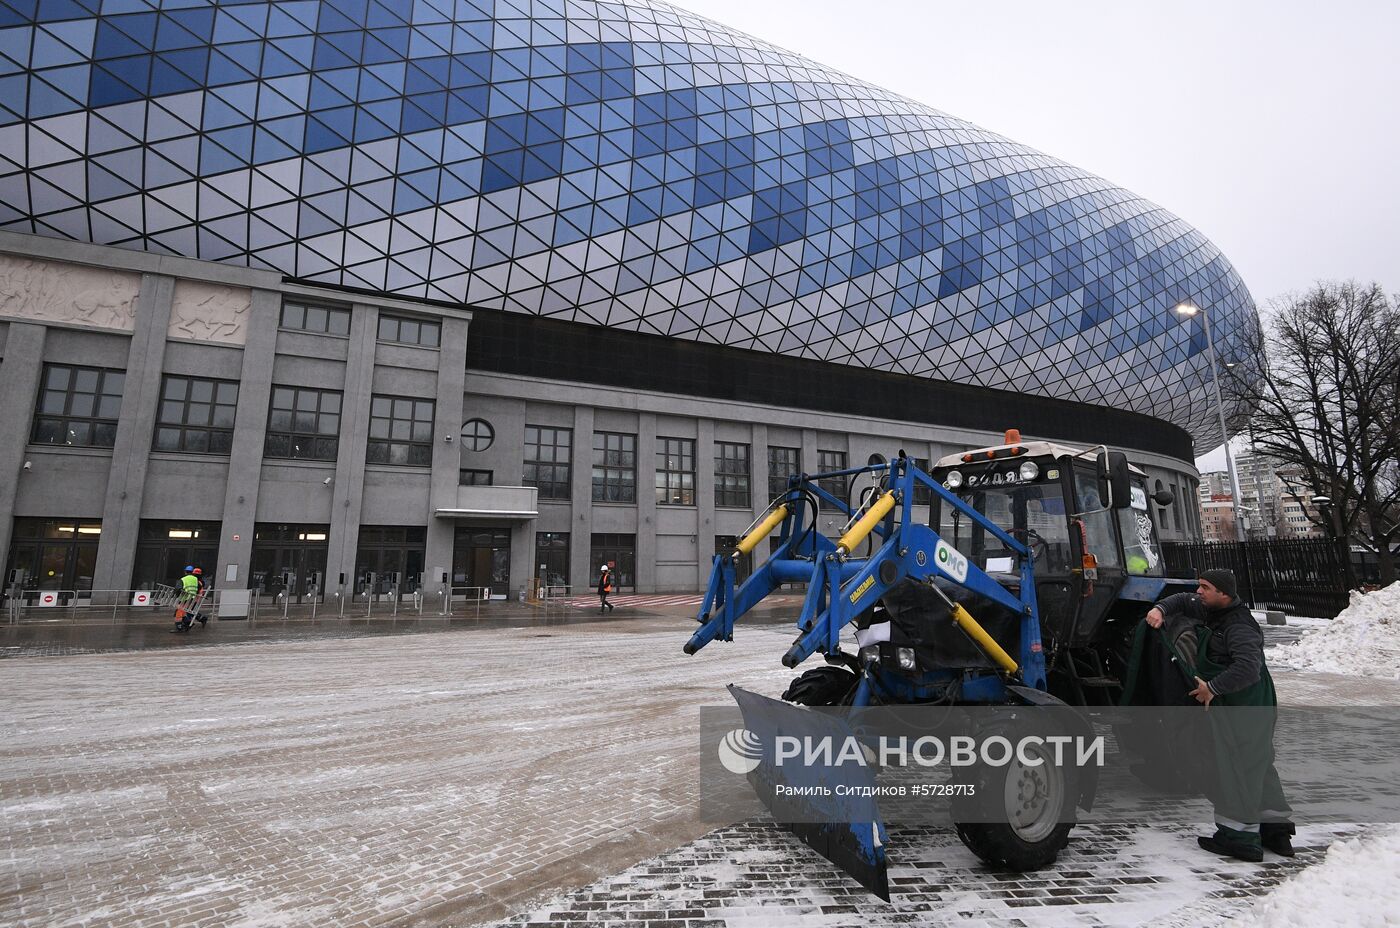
{"points": [[1356, 884], [1364, 640]]}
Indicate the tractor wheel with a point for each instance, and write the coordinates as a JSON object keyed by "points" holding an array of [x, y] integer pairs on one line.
{"points": [[1019, 816], [822, 686]]}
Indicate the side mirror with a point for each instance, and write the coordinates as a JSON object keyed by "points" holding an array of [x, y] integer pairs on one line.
{"points": [[1163, 498], [1115, 487]]}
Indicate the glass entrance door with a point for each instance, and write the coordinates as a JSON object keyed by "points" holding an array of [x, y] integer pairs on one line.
{"points": [[55, 554], [289, 558], [481, 558]]}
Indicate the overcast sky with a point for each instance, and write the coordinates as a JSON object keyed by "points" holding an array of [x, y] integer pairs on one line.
{"points": [[1273, 127]]}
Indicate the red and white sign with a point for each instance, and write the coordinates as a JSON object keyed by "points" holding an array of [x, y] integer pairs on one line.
{"points": [[141, 598], [48, 598]]}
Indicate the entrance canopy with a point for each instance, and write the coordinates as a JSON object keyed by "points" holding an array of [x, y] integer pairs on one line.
{"points": [[509, 504]]}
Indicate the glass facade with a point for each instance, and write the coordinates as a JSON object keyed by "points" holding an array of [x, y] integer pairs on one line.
{"points": [[55, 554], [389, 558], [164, 549], [576, 163], [289, 559]]}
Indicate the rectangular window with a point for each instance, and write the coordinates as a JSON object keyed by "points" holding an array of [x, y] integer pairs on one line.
{"points": [[614, 467], [548, 452], [675, 472], [732, 475], [315, 317], [425, 333], [470, 477], [829, 461], [400, 431], [78, 406], [923, 496], [196, 415], [782, 464], [303, 424]]}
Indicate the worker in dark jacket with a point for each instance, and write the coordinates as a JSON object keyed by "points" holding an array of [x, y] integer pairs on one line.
{"points": [[1229, 670]]}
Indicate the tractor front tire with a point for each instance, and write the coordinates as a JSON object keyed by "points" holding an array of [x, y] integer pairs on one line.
{"points": [[1017, 816], [822, 686]]}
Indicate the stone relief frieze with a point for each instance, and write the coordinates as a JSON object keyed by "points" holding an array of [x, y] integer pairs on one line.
{"points": [[210, 312], [47, 291]]}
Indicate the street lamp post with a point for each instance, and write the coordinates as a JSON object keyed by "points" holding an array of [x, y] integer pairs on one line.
{"points": [[1338, 535], [1190, 310]]}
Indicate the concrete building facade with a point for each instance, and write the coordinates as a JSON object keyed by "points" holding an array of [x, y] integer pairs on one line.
{"points": [[160, 410]]}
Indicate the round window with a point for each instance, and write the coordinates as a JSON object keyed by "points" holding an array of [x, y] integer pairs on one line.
{"points": [[477, 435]]}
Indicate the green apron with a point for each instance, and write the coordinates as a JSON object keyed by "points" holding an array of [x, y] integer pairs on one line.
{"points": [[1247, 784], [1228, 755]]}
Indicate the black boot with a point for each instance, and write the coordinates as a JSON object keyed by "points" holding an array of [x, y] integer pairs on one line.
{"points": [[1278, 837], [1227, 842]]}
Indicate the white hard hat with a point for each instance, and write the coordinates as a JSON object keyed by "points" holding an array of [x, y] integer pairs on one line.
{"points": [[604, 567]]}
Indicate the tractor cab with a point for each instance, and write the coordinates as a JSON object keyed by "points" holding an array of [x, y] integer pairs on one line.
{"points": [[1085, 515]]}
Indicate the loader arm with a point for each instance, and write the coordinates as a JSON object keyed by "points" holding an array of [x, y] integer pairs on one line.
{"points": [[840, 587], [797, 559]]}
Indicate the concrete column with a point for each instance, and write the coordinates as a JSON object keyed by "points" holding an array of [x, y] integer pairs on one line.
{"points": [[581, 570], [522, 554], [249, 437], [447, 455], [646, 502], [758, 468], [126, 484], [348, 498], [704, 499], [19, 391], [809, 451]]}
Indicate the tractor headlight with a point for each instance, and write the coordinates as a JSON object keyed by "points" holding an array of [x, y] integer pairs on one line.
{"points": [[1028, 470], [955, 479], [906, 658], [870, 654]]}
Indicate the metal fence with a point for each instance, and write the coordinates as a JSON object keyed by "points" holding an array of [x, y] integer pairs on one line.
{"points": [[158, 605], [1302, 577]]}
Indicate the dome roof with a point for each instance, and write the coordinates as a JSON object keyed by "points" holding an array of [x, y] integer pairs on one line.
{"points": [[624, 164]]}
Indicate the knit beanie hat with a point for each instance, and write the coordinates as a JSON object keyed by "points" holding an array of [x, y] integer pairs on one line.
{"points": [[1223, 580]]}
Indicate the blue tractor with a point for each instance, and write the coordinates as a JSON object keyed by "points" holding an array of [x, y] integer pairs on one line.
{"points": [[1012, 575]]}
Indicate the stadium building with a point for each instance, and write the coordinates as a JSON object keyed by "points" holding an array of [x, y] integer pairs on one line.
{"points": [[298, 290]]}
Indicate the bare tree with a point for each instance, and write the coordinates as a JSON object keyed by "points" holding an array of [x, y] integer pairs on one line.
{"points": [[1321, 385]]}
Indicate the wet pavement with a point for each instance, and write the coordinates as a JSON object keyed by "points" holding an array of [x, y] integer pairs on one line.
{"points": [[151, 630], [538, 770]]}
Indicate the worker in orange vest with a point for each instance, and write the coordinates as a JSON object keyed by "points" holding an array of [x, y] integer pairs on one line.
{"points": [[605, 586]]}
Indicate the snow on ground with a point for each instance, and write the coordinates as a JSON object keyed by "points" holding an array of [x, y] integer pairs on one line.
{"points": [[1363, 641], [1356, 884]]}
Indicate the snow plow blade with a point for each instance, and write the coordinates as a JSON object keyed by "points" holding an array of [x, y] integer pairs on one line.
{"points": [[803, 798]]}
